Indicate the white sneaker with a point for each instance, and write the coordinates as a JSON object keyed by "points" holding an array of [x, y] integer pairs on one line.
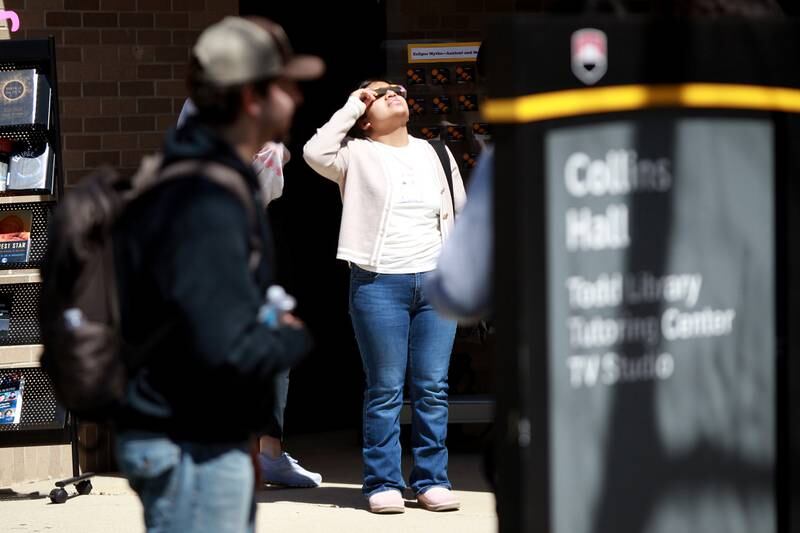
{"points": [[285, 470]]}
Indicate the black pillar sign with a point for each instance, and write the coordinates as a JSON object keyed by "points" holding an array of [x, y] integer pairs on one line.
{"points": [[640, 186], [661, 311]]}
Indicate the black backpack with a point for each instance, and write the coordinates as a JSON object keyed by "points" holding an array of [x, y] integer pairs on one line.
{"points": [[84, 354]]}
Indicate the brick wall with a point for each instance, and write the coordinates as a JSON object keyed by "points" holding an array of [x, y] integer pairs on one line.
{"points": [[121, 65], [448, 19]]}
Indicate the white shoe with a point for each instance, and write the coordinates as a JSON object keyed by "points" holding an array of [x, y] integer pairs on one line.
{"points": [[387, 502], [439, 499], [285, 470]]}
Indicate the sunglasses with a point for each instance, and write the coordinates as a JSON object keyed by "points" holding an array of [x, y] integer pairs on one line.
{"points": [[399, 90]]}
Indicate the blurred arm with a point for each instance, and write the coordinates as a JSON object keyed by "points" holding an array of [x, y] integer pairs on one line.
{"points": [[461, 285], [326, 152]]}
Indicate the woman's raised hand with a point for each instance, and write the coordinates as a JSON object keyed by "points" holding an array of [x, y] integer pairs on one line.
{"points": [[365, 95]]}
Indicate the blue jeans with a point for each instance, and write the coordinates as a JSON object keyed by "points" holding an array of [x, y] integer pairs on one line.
{"points": [[401, 338], [189, 486]]}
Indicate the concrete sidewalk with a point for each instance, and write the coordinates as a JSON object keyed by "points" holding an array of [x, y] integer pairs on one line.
{"points": [[337, 506]]}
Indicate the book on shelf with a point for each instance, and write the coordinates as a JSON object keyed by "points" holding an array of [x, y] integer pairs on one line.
{"points": [[15, 236], [31, 173], [12, 388], [24, 98], [5, 315]]}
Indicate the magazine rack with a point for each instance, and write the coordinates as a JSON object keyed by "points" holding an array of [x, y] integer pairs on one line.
{"points": [[40, 421], [36, 417]]}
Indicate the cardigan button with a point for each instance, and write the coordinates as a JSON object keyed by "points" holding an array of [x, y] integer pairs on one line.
{"points": [[444, 217]]}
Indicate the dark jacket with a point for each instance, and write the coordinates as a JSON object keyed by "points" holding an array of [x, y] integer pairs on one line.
{"points": [[190, 303]]}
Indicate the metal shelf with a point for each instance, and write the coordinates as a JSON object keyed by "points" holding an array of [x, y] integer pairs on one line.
{"points": [[24, 355], [8, 277], [26, 199]]}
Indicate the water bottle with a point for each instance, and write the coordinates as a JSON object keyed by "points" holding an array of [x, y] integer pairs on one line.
{"points": [[73, 318], [277, 303]]}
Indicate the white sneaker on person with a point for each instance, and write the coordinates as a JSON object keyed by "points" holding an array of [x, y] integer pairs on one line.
{"points": [[285, 470]]}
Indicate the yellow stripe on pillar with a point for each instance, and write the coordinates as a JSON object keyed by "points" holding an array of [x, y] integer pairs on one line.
{"points": [[577, 102]]}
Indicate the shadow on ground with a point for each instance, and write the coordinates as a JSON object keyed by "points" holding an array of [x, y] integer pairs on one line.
{"points": [[332, 496], [337, 456]]}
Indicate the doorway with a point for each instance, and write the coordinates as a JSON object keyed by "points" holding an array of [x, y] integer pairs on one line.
{"points": [[326, 389]]}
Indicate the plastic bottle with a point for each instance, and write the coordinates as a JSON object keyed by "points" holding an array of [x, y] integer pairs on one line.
{"points": [[277, 303], [73, 318]]}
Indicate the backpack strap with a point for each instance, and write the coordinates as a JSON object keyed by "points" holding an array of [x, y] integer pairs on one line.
{"points": [[225, 177], [444, 158]]}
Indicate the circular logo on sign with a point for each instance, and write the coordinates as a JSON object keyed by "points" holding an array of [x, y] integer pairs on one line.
{"points": [[589, 55], [13, 90]]}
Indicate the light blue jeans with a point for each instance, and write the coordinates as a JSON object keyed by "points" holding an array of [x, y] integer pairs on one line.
{"points": [[401, 339], [189, 486]]}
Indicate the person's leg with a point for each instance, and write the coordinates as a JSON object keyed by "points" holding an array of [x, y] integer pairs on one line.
{"points": [[270, 442], [272, 447], [188, 486], [277, 466], [379, 308], [431, 342], [151, 462], [223, 484]]}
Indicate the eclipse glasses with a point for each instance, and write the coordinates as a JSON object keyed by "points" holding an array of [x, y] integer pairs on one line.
{"points": [[399, 90]]}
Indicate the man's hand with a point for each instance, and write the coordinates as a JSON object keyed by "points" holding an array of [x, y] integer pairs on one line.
{"points": [[288, 319]]}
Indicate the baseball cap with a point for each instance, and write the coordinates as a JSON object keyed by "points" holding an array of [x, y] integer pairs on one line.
{"points": [[237, 50]]}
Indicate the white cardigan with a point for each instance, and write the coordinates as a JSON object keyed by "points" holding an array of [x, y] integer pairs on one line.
{"points": [[358, 169]]}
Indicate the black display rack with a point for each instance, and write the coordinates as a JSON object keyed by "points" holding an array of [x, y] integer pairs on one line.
{"points": [[444, 98], [41, 420]]}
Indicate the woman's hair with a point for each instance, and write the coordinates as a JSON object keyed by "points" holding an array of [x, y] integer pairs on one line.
{"points": [[218, 106]]}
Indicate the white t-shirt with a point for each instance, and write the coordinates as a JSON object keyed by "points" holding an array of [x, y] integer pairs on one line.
{"points": [[413, 237]]}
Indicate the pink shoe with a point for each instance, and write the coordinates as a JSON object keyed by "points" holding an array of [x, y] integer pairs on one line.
{"points": [[439, 499], [387, 502]]}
